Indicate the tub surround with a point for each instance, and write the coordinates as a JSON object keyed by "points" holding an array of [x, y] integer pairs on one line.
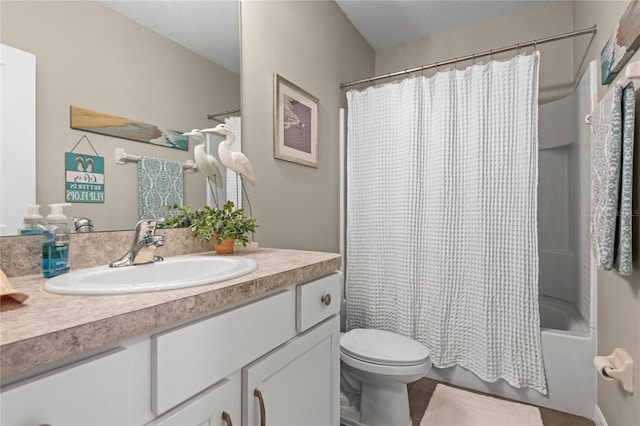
{"points": [[49, 328]]}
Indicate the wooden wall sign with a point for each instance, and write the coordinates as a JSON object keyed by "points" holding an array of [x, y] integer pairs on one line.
{"points": [[110, 125], [622, 44]]}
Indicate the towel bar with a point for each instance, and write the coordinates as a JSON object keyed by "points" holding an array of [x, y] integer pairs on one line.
{"points": [[122, 157]]}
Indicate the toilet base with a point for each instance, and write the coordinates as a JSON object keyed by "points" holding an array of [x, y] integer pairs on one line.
{"points": [[350, 416], [382, 406]]}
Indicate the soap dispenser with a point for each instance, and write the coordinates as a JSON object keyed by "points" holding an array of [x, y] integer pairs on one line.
{"points": [[55, 242], [33, 222]]}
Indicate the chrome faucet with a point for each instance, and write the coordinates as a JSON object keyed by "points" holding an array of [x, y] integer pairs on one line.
{"points": [[145, 242]]}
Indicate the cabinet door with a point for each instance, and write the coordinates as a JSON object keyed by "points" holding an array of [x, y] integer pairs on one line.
{"points": [[190, 359], [90, 392], [217, 406], [298, 383]]}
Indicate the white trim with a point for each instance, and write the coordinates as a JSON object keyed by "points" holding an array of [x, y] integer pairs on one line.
{"points": [[343, 216], [598, 417], [343, 183], [17, 137]]}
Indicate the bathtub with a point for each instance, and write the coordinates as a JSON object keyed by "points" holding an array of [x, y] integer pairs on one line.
{"points": [[558, 315], [567, 347]]}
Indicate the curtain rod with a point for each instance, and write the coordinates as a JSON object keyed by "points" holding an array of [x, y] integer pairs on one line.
{"points": [[474, 56], [213, 116]]}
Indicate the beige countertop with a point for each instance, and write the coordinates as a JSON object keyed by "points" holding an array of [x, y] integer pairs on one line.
{"points": [[50, 327]]}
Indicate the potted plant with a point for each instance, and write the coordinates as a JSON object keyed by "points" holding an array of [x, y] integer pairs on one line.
{"points": [[223, 226], [178, 217]]}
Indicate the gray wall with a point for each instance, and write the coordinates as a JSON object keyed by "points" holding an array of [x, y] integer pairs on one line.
{"points": [[313, 45], [556, 65]]}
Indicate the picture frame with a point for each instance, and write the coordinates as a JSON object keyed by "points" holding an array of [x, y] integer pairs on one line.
{"points": [[295, 126]]}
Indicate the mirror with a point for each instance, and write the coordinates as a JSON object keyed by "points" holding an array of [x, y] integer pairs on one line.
{"points": [[90, 55]]}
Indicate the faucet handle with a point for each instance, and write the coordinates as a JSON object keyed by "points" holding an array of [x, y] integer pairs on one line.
{"points": [[147, 228]]}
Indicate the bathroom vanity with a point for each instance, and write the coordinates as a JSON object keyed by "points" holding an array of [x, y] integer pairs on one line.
{"points": [[259, 349]]}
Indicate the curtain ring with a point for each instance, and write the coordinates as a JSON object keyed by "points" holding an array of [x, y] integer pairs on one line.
{"points": [[455, 65], [406, 72], [389, 78], [534, 46], [491, 53], [473, 56], [518, 47], [437, 67]]}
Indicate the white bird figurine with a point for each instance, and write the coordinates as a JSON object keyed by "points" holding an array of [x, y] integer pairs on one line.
{"points": [[207, 164], [236, 161]]}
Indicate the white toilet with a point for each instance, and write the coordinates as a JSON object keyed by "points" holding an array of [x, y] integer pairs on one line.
{"points": [[375, 368]]}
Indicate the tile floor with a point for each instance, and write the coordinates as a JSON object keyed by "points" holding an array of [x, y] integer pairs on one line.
{"points": [[420, 392]]}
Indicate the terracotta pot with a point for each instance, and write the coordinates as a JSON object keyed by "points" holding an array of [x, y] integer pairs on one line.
{"points": [[225, 247]]}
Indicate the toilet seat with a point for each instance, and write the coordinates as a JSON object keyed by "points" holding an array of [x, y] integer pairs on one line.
{"points": [[383, 348]]}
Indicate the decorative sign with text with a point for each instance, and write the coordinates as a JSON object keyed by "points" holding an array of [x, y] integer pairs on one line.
{"points": [[84, 175]]}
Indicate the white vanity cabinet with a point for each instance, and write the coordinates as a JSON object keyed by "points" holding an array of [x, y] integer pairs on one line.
{"points": [[90, 392], [284, 345]]}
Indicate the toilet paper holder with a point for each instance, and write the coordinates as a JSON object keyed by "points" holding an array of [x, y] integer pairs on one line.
{"points": [[618, 365]]}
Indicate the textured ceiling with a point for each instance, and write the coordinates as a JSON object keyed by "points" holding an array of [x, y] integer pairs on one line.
{"points": [[392, 22], [211, 27]]}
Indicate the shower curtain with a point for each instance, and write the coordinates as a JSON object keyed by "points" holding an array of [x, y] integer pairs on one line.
{"points": [[442, 239]]}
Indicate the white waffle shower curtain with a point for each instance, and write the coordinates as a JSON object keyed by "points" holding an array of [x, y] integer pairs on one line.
{"points": [[442, 237]]}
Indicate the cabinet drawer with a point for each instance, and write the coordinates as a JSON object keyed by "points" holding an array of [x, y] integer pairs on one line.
{"points": [[317, 300], [90, 392], [208, 407], [189, 359]]}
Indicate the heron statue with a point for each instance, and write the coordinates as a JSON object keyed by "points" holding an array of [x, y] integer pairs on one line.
{"points": [[207, 163], [236, 161]]}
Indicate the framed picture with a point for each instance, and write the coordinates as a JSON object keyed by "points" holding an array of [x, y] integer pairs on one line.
{"points": [[295, 127]]}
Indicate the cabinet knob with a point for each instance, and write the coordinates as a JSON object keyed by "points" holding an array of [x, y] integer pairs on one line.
{"points": [[326, 299], [263, 413], [226, 417]]}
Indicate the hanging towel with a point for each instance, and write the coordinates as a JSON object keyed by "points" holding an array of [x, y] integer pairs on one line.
{"points": [[622, 256], [159, 185], [611, 178]]}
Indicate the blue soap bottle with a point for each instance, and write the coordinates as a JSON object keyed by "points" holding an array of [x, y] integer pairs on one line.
{"points": [[55, 242]]}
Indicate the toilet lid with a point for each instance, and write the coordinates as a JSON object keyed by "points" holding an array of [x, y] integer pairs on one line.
{"points": [[383, 347]]}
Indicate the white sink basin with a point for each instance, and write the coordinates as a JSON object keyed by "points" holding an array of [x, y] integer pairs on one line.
{"points": [[169, 274]]}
